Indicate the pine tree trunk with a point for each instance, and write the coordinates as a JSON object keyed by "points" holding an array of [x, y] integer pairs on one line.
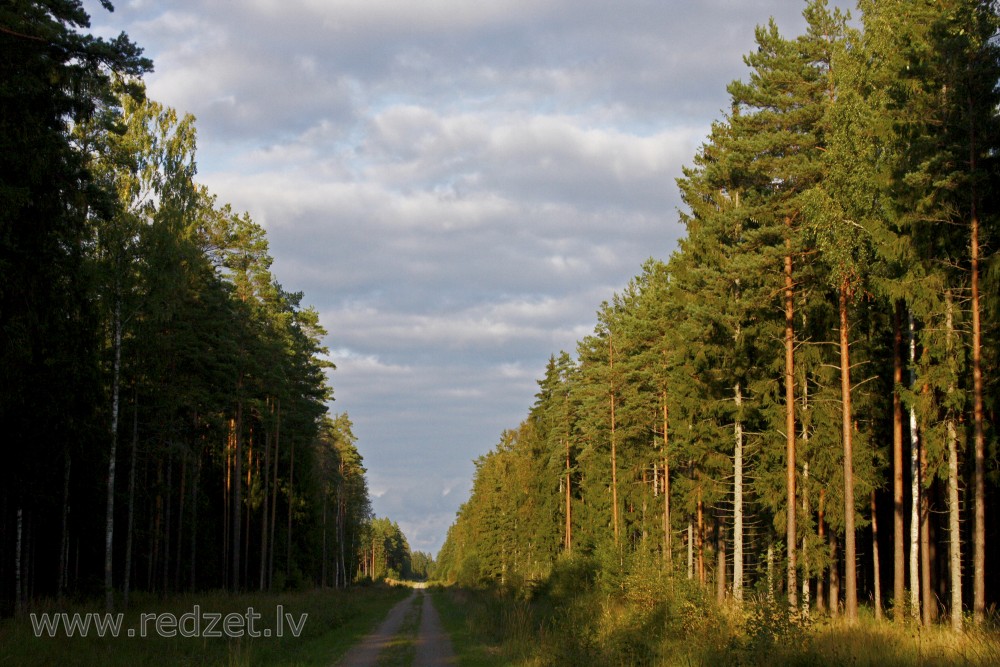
{"points": [[237, 496], [324, 557], [823, 575], [568, 542], [18, 571], [614, 451], [875, 561], [666, 484], [64, 536], [264, 512], [701, 541], [194, 521], [834, 596], [738, 498], [790, 533], [954, 532], [181, 495], [979, 448], [166, 533], [914, 484], [720, 571], [109, 521], [130, 526], [850, 564], [690, 546], [898, 540], [291, 505], [274, 495], [979, 445]]}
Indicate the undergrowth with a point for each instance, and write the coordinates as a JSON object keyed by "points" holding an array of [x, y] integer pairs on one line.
{"points": [[642, 615]]}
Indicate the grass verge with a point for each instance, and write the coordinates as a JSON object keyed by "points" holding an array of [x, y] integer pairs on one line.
{"points": [[333, 622]]}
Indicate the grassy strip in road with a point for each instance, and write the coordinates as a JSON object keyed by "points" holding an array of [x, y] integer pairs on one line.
{"points": [[335, 621], [403, 647]]}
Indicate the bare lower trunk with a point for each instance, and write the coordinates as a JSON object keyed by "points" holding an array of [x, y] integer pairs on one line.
{"points": [[954, 533], [109, 521], [262, 579], [130, 525], [237, 499], [850, 564], [568, 541], [666, 484], [834, 596], [690, 549], [274, 494], [875, 562], [738, 499], [720, 568], [701, 541], [914, 485], [898, 528], [18, 548], [64, 538], [790, 532], [614, 452], [194, 521], [979, 445], [291, 504], [821, 530]]}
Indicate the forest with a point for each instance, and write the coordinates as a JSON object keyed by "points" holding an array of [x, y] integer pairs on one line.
{"points": [[798, 405], [164, 397]]}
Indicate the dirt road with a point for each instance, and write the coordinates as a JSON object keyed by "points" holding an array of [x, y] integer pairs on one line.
{"points": [[432, 645]]}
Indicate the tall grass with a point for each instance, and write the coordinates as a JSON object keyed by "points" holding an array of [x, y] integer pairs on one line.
{"points": [[644, 616], [336, 620]]}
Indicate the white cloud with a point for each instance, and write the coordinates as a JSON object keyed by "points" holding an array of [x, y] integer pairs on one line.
{"points": [[455, 185]]}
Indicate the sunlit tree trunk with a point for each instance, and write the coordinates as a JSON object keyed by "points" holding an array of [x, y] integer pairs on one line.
{"points": [[914, 484], [850, 564], [666, 484], [614, 444], [979, 446], [790, 504], [738, 498], [954, 532], [568, 541], [898, 540]]}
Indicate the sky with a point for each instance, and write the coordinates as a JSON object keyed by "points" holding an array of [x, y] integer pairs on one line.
{"points": [[455, 185]]}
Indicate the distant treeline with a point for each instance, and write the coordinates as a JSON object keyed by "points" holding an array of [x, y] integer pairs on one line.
{"points": [[801, 401], [163, 397]]}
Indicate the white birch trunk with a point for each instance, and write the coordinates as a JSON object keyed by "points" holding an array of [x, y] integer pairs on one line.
{"points": [[914, 485]]}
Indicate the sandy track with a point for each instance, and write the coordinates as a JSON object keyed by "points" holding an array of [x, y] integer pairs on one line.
{"points": [[433, 646]]}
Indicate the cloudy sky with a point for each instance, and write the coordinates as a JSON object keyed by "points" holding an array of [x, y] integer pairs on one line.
{"points": [[456, 185]]}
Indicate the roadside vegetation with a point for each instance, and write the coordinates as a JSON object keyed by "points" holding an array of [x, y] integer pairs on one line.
{"points": [[579, 617], [337, 619]]}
